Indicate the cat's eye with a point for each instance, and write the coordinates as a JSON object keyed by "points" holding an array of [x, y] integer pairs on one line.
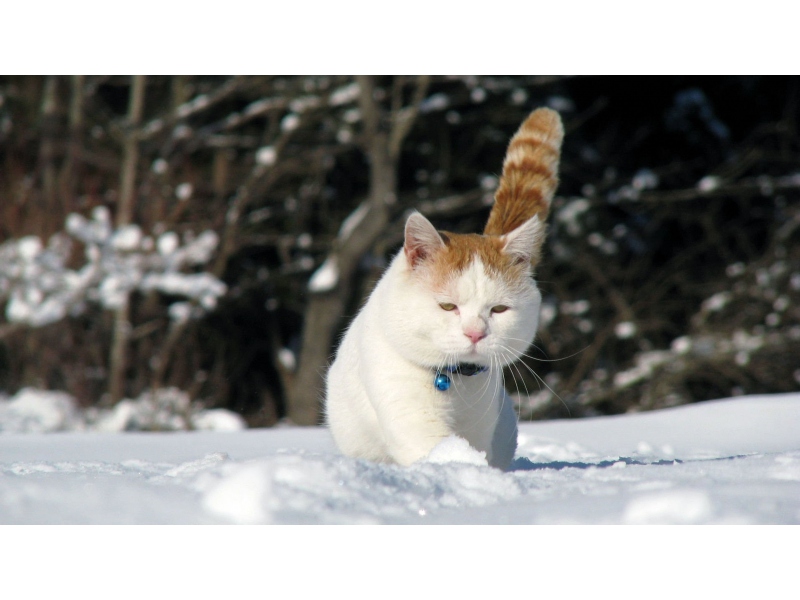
{"points": [[447, 306], [499, 308]]}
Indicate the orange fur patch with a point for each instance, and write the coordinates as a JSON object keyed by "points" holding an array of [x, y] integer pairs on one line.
{"points": [[462, 249], [530, 173]]}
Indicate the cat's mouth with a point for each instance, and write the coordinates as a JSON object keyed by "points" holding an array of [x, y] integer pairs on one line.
{"points": [[473, 355], [488, 355], [483, 352]]}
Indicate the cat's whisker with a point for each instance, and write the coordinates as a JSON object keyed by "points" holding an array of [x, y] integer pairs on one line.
{"points": [[542, 351], [515, 366], [503, 352], [544, 383], [507, 397], [481, 397], [512, 368], [497, 384], [485, 387], [501, 360], [500, 389]]}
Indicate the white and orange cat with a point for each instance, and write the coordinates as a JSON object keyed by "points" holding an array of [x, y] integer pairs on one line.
{"points": [[423, 359]]}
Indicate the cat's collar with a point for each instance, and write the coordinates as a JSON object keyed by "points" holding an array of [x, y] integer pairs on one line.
{"points": [[467, 369], [442, 382]]}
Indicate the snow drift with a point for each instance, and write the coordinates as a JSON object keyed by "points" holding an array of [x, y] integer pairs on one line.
{"points": [[728, 461]]}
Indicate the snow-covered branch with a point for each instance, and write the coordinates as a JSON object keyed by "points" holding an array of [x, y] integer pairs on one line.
{"points": [[39, 288]]}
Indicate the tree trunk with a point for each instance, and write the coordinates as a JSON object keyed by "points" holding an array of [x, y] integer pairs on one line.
{"points": [[50, 211], [68, 178], [130, 156], [325, 310], [130, 159]]}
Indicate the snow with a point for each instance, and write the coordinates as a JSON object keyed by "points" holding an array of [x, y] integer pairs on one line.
{"points": [[180, 312], [561, 104], [732, 461], [266, 156], [570, 214], [681, 345], [344, 95], [304, 240], [167, 243], [287, 359], [196, 104], [203, 287], [38, 288], [717, 302], [352, 116], [325, 277], [644, 179], [344, 136], [258, 107], [547, 313], [646, 363], [352, 221], [167, 409], [159, 166], [488, 182], [29, 247], [578, 307], [478, 95], [290, 122], [434, 103], [625, 330], [304, 103], [709, 183], [456, 450], [519, 96], [37, 411], [217, 419], [127, 238], [183, 191]]}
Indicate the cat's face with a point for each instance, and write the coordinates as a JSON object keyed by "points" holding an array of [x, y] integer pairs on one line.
{"points": [[485, 316], [471, 298]]}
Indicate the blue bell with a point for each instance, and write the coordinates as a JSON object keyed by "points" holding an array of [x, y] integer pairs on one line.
{"points": [[441, 382]]}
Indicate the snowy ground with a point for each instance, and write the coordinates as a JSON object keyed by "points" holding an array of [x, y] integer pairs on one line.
{"points": [[734, 461]]}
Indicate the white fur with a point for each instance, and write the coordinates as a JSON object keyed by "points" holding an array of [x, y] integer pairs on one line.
{"points": [[381, 403]]}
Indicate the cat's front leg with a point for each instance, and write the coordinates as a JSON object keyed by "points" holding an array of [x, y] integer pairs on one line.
{"points": [[413, 420], [411, 439]]}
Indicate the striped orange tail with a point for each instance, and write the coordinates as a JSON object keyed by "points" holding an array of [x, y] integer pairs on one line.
{"points": [[530, 173]]}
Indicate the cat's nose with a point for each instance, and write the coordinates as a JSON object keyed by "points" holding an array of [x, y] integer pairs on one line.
{"points": [[475, 335]]}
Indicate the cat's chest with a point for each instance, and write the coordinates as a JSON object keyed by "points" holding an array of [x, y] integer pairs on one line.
{"points": [[473, 404], [451, 391]]}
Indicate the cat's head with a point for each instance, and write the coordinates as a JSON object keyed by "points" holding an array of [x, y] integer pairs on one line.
{"points": [[469, 298]]}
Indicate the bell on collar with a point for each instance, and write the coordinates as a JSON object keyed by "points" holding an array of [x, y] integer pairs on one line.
{"points": [[441, 382]]}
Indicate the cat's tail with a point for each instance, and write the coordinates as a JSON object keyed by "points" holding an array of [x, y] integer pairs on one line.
{"points": [[530, 173]]}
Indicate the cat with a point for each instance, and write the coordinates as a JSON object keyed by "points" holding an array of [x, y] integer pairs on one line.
{"points": [[423, 359]]}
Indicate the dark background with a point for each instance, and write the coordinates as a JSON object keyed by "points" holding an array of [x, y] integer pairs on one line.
{"points": [[671, 273]]}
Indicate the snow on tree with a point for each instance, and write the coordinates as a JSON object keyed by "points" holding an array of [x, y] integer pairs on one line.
{"points": [[39, 288]]}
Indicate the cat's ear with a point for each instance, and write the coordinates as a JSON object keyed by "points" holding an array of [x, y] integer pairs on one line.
{"points": [[421, 239], [524, 244]]}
